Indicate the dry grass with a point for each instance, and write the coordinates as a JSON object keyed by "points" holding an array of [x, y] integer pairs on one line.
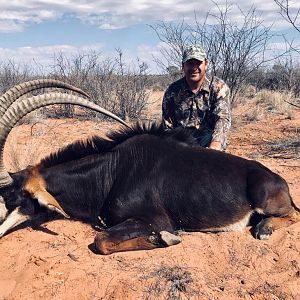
{"points": [[275, 101], [255, 114], [264, 102], [27, 144], [171, 282]]}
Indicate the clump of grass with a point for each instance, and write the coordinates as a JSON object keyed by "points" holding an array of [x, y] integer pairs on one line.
{"points": [[171, 281], [275, 101], [254, 114], [249, 91]]}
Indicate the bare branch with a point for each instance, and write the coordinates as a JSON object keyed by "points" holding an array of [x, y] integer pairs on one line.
{"points": [[234, 49], [286, 13], [290, 103]]}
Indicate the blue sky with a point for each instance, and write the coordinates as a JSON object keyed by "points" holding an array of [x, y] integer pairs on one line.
{"points": [[36, 29]]}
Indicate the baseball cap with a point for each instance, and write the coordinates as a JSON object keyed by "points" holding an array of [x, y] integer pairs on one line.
{"points": [[194, 51]]}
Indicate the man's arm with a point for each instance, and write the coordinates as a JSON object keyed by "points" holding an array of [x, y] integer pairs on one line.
{"points": [[223, 114], [167, 110]]}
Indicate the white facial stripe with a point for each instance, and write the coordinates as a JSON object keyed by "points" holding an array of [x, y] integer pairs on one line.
{"points": [[13, 220], [3, 211]]}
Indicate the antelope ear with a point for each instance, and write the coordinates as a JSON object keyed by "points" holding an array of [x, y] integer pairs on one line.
{"points": [[46, 199]]}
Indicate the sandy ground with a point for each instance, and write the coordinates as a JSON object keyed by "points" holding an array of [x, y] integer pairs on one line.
{"points": [[55, 262]]}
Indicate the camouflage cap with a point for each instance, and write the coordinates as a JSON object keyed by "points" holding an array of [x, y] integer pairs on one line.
{"points": [[194, 51]]}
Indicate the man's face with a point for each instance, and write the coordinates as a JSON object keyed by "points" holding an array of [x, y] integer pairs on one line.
{"points": [[194, 70]]}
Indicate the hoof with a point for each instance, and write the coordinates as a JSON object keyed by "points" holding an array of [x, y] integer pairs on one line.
{"points": [[101, 245], [262, 237], [169, 238], [262, 231]]}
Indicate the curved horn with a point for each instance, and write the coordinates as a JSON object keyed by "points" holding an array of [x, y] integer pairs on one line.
{"points": [[21, 108], [19, 90]]}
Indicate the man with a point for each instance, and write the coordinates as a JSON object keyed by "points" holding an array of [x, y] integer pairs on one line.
{"points": [[199, 103]]}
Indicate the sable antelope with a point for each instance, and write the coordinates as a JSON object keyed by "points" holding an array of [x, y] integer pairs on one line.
{"points": [[142, 184]]}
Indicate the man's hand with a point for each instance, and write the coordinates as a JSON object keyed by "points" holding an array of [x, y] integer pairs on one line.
{"points": [[215, 145]]}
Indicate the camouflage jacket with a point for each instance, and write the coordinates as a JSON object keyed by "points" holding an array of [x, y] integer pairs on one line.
{"points": [[208, 109]]}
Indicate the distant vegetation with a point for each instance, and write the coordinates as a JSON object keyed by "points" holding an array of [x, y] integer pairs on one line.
{"points": [[237, 52], [111, 83], [125, 91]]}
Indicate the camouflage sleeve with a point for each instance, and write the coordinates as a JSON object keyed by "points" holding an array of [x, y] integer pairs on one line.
{"points": [[223, 113], [166, 110]]}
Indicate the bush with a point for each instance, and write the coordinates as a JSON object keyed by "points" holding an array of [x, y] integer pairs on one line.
{"points": [[122, 89]]}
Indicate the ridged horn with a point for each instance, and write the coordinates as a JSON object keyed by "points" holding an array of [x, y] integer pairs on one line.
{"points": [[19, 90], [21, 108]]}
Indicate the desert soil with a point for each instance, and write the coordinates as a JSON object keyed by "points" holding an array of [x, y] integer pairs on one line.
{"points": [[54, 261]]}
